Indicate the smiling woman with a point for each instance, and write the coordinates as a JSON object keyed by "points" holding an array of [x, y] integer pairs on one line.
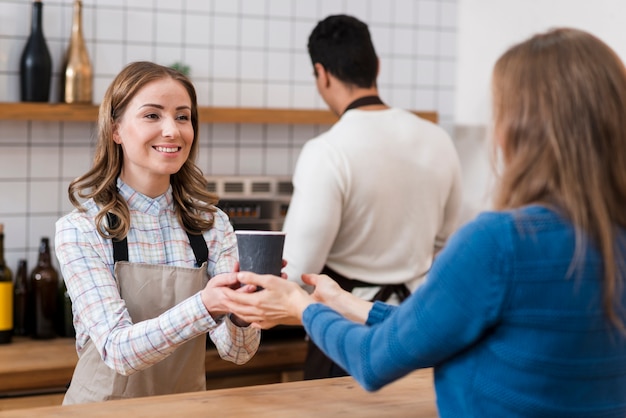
{"points": [[134, 255], [156, 136]]}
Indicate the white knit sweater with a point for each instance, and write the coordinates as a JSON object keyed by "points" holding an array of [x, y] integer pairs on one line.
{"points": [[373, 197]]}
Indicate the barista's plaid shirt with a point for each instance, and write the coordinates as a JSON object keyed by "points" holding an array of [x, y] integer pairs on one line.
{"points": [[155, 237]]}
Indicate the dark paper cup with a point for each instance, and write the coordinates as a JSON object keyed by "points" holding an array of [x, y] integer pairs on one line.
{"points": [[260, 252]]}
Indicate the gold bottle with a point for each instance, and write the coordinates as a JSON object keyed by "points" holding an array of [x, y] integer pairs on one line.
{"points": [[78, 77]]}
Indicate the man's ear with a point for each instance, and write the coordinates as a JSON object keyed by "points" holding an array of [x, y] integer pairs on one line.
{"points": [[321, 74]]}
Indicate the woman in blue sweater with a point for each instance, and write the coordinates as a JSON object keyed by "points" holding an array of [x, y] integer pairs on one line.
{"points": [[523, 311]]}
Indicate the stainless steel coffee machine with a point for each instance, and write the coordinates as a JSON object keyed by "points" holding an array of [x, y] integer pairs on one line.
{"points": [[255, 202]]}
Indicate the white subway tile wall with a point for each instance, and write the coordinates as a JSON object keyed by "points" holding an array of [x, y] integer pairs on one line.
{"points": [[248, 53]]}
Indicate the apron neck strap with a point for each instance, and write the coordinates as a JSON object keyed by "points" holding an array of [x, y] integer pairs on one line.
{"points": [[199, 247], [364, 101], [120, 247]]}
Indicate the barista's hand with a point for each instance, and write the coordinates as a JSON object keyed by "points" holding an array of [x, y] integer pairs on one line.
{"points": [[213, 294]]}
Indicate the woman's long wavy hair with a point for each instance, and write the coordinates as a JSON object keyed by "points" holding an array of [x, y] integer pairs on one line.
{"points": [[189, 186], [559, 103]]}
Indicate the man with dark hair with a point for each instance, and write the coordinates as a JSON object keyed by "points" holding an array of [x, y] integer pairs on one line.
{"points": [[376, 195], [342, 45]]}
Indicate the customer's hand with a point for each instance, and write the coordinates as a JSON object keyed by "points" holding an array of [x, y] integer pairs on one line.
{"points": [[328, 292], [279, 302]]}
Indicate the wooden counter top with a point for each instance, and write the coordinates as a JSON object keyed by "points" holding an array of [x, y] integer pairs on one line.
{"points": [[28, 365], [339, 397]]}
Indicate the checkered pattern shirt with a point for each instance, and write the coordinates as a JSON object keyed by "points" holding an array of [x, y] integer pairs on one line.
{"points": [[155, 237]]}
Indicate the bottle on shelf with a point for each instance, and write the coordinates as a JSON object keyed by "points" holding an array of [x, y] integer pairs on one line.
{"points": [[35, 62], [6, 295], [77, 77], [45, 286], [22, 312], [65, 319]]}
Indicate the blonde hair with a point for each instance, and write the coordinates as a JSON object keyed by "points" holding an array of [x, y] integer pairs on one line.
{"points": [[189, 186], [559, 103]]}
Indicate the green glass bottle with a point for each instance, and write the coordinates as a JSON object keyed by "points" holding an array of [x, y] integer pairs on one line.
{"points": [[65, 319], [22, 311]]}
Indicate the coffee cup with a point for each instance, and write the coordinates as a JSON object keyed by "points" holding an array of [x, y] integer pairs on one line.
{"points": [[260, 252]]}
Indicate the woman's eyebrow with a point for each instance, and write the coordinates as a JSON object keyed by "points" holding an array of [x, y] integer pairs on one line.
{"points": [[158, 106]]}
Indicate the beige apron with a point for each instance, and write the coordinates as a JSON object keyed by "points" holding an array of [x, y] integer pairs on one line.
{"points": [[148, 290]]}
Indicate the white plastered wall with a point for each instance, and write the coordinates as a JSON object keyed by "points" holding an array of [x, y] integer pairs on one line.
{"points": [[486, 28]]}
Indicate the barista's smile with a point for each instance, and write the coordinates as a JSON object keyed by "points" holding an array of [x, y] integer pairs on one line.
{"points": [[167, 150]]}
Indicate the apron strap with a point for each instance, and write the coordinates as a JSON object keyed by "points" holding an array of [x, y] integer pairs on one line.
{"points": [[199, 247], [385, 292], [364, 101], [120, 247]]}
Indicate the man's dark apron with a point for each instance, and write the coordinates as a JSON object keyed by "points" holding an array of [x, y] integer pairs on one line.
{"points": [[148, 291], [317, 365]]}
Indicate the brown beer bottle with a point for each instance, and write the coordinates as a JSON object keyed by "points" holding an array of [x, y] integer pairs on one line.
{"points": [[65, 325], [45, 284], [22, 312], [6, 295]]}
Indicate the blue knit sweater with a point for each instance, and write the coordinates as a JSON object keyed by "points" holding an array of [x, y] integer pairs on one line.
{"points": [[509, 332]]}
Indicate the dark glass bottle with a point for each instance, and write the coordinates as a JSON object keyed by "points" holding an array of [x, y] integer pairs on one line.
{"points": [[21, 301], [45, 284], [35, 63], [6, 295], [65, 323]]}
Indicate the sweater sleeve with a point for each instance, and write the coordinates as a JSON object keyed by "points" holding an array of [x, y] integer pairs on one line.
{"points": [[459, 302], [379, 312]]}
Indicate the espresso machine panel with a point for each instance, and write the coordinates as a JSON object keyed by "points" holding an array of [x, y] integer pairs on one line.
{"points": [[259, 203]]}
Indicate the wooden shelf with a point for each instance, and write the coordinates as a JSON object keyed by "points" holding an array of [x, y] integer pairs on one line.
{"points": [[61, 112], [48, 112]]}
